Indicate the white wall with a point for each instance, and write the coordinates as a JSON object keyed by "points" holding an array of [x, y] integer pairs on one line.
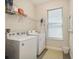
{"points": [[71, 45], [20, 23], [71, 27], [42, 13]]}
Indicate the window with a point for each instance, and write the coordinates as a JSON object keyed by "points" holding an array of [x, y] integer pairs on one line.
{"points": [[55, 22]]}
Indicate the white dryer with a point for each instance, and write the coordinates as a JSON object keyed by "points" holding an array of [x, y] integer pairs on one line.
{"points": [[40, 41]]}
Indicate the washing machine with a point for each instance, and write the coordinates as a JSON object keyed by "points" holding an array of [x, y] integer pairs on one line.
{"points": [[21, 47]]}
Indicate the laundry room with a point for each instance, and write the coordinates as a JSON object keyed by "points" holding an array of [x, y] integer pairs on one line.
{"points": [[38, 29]]}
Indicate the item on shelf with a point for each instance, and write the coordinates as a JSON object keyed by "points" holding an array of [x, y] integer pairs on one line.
{"points": [[9, 7], [21, 12]]}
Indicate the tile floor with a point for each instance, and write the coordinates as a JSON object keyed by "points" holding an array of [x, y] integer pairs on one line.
{"points": [[53, 54]]}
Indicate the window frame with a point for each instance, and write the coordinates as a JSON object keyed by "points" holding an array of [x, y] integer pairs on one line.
{"points": [[55, 38]]}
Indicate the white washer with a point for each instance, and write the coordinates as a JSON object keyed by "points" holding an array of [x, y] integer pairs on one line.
{"points": [[22, 47]]}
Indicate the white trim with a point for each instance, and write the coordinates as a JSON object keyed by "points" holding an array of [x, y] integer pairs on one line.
{"points": [[71, 55], [54, 48]]}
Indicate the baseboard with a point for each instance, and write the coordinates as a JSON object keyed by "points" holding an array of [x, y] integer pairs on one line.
{"points": [[54, 48]]}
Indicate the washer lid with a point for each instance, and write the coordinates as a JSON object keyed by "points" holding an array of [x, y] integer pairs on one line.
{"points": [[21, 38]]}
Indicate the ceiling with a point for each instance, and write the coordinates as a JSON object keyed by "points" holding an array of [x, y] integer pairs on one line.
{"points": [[36, 2], [39, 1]]}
